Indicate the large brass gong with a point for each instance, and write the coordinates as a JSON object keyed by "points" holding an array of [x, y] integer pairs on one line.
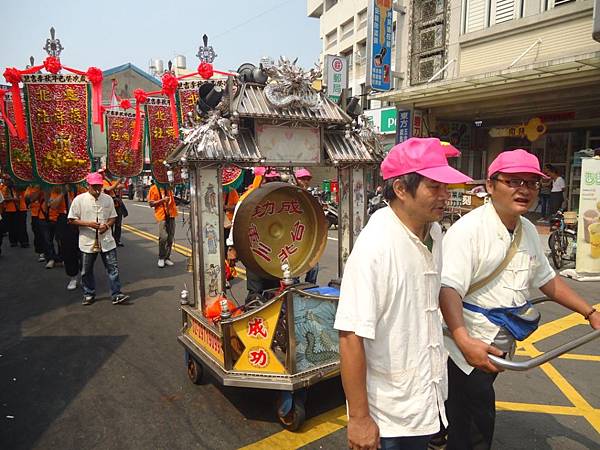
{"points": [[279, 223]]}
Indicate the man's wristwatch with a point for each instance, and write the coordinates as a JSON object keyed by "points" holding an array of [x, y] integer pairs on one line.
{"points": [[587, 316]]}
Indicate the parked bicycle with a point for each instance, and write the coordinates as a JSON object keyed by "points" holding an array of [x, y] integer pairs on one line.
{"points": [[563, 239]]}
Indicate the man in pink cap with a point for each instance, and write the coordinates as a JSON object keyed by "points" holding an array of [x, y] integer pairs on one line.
{"points": [[391, 345], [492, 257], [94, 213]]}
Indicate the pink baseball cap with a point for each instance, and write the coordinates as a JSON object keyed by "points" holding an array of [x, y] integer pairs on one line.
{"points": [[259, 171], [425, 156], [450, 150], [302, 173], [94, 178], [516, 161]]}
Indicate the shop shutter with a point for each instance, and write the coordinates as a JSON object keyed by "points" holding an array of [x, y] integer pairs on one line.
{"points": [[475, 15], [505, 11]]}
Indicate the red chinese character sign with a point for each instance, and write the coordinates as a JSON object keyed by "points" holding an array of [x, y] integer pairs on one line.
{"points": [[121, 160], [19, 157], [59, 119], [280, 224], [161, 138]]}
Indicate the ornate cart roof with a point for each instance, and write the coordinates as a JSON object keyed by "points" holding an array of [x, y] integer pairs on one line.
{"points": [[341, 148], [241, 149], [251, 101]]}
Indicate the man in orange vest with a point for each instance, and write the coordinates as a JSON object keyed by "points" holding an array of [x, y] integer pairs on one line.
{"points": [[33, 197], [15, 213], [165, 211]]}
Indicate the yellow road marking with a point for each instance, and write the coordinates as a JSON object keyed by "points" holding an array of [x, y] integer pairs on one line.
{"points": [[314, 429], [536, 408], [185, 251]]}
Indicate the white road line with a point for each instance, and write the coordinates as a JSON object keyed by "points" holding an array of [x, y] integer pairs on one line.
{"points": [[147, 206]]}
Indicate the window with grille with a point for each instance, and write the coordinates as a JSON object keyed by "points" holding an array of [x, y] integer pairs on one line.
{"points": [[428, 43]]}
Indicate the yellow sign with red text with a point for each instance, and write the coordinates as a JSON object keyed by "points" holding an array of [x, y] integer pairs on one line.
{"points": [[256, 333]]}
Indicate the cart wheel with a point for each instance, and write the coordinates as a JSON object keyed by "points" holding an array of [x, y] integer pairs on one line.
{"points": [[194, 371], [296, 414]]}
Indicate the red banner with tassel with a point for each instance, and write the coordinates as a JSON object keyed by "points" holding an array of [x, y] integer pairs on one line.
{"points": [[161, 138], [60, 126], [121, 160], [19, 156], [3, 146]]}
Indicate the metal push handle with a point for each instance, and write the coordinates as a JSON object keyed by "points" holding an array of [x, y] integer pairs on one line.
{"points": [[547, 356]]}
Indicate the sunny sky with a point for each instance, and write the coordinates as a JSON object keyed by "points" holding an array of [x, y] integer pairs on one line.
{"points": [[108, 33]]}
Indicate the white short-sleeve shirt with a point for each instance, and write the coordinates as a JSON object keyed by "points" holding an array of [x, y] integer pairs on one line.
{"points": [[389, 297], [558, 185], [87, 208], [473, 248]]}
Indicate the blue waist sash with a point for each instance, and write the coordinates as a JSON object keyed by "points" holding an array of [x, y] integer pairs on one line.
{"points": [[520, 321]]}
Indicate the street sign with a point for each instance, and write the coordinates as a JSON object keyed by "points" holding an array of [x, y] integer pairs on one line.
{"points": [[379, 45], [404, 126], [337, 75], [383, 119]]}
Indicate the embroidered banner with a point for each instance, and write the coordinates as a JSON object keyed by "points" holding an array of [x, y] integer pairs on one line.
{"points": [[161, 138], [3, 146], [59, 118], [187, 98], [121, 160], [19, 157]]}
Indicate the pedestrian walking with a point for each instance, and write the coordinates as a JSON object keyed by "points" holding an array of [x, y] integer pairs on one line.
{"points": [[94, 213], [557, 192], [33, 198], [15, 213], [391, 345], [68, 237], [114, 188], [54, 206], [165, 212], [492, 257]]}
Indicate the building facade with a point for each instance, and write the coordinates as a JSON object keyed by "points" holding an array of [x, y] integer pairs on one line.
{"points": [[493, 75]]}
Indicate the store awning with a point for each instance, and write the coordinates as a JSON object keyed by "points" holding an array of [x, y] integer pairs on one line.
{"points": [[251, 102], [341, 149], [555, 85]]}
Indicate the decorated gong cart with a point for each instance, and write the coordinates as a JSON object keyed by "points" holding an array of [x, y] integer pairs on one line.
{"points": [[285, 341]]}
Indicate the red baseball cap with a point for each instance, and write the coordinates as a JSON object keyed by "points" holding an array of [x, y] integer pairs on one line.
{"points": [[425, 156], [516, 161]]}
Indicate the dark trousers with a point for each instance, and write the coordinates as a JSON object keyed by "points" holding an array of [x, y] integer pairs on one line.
{"points": [[68, 238], [256, 285], [405, 443], [470, 408], [88, 282], [49, 230], [166, 236], [17, 227], [556, 201], [39, 245], [116, 228], [544, 203]]}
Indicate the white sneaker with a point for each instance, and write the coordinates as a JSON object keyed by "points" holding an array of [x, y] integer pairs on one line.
{"points": [[42, 258], [50, 264], [168, 262], [161, 263], [72, 284]]}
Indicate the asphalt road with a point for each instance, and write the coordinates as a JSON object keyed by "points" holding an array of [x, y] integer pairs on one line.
{"points": [[104, 376]]}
